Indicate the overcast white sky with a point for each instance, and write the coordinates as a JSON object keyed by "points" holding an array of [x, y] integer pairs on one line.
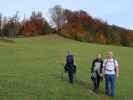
{"points": [[118, 12]]}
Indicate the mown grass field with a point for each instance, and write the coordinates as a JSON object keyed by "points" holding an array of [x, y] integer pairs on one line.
{"points": [[31, 69]]}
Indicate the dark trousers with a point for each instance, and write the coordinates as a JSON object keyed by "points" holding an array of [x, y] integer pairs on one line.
{"points": [[70, 75], [96, 83]]}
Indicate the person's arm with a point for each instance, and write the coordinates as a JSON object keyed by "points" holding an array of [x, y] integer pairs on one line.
{"points": [[72, 59], [117, 71], [117, 68], [92, 67], [75, 68], [67, 59], [103, 66], [65, 68]]}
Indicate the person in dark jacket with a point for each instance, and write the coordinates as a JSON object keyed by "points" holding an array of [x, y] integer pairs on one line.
{"points": [[69, 66], [96, 72]]}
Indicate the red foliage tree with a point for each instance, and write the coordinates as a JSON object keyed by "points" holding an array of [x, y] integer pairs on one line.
{"points": [[35, 25]]}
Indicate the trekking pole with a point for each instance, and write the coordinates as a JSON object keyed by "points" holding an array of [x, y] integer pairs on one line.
{"points": [[62, 76], [75, 78], [62, 73]]}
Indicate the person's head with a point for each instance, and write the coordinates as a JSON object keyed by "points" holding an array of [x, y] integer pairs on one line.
{"points": [[69, 52], [99, 56], [110, 54]]}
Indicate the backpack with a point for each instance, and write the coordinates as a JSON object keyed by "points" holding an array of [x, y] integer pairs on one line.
{"points": [[113, 62]]}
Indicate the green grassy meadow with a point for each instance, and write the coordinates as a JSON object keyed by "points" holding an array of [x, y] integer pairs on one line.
{"points": [[31, 69]]}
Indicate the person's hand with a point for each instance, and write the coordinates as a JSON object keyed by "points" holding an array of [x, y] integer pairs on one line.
{"points": [[65, 71], [117, 76], [101, 75]]}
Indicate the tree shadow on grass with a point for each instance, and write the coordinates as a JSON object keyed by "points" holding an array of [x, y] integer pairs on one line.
{"points": [[7, 40]]}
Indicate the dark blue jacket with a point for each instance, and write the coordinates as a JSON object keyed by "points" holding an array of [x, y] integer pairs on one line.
{"points": [[70, 59], [70, 67]]}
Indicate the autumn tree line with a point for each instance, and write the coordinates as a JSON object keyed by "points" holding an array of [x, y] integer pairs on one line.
{"points": [[77, 25]]}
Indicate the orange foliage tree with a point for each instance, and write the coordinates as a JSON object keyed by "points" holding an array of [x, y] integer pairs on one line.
{"points": [[35, 25]]}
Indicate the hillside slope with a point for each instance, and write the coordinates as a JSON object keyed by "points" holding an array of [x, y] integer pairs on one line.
{"points": [[31, 69]]}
